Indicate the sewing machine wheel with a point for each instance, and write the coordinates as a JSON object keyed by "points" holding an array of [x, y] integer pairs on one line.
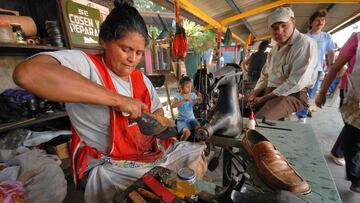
{"points": [[201, 134]]}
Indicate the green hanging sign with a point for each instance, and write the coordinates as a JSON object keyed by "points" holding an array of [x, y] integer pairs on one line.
{"points": [[83, 24]]}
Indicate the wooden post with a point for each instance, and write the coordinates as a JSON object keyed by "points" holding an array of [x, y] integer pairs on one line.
{"points": [[168, 99], [177, 12]]}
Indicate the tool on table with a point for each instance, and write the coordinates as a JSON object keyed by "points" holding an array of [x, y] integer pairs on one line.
{"points": [[276, 128], [136, 197], [267, 122], [271, 124], [149, 186], [159, 189], [148, 194]]}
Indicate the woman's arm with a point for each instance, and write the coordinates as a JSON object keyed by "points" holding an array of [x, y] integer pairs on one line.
{"points": [[46, 77], [334, 69]]}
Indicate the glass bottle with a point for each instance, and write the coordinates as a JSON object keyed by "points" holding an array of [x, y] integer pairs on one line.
{"points": [[251, 123], [18, 33], [185, 183]]}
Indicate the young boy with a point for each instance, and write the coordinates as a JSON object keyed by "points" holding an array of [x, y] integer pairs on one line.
{"points": [[184, 102]]}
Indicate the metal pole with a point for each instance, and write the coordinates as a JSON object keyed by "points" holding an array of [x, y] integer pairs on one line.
{"points": [[206, 93], [218, 48], [177, 20]]}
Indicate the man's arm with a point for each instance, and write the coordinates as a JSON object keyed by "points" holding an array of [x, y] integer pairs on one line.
{"points": [[330, 52], [46, 77]]}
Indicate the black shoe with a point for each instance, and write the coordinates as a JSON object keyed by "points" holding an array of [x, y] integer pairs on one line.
{"points": [[355, 188], [150, 126]]}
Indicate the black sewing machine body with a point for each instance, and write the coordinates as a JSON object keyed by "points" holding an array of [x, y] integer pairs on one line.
{"points": [[225, 116]]}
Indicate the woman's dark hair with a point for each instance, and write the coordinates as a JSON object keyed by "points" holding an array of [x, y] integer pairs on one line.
{"points": [[122, 19], [263, 45], [184, 79], [319, 13]]}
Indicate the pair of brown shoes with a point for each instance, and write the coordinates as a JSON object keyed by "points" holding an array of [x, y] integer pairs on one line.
{"points": [[272, 165]]}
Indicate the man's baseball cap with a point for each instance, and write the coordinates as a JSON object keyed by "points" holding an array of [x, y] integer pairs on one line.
{"points": [[281, 14]]}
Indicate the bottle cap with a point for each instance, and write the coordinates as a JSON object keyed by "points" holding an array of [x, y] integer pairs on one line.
{"points": [[186, 174]]}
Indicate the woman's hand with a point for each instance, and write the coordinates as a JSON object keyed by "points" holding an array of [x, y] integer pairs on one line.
{"points": [[320, 100], [130, 106]]}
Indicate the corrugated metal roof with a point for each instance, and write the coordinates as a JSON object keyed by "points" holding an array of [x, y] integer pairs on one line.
{"points": [[219, 10]]}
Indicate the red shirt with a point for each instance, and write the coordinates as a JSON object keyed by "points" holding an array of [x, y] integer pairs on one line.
{"points": [[349, 50]]}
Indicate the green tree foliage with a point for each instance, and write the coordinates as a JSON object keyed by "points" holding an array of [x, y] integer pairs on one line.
{"points": [[199, 39], [147, 5], [153, 33]]}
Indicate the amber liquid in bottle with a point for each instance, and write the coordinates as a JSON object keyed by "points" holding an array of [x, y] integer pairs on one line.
{"points": [[185, 183]]}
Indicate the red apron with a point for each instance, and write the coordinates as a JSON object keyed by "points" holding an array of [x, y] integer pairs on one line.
{"points": [[127, 141]]}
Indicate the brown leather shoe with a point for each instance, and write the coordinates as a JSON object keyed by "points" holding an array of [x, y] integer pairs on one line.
{"points": [[272, 165]]}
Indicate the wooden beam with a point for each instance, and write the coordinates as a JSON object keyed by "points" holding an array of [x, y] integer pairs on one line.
{"points": [[189, 7], [280, 3], [357, 14], [253, 11], [185, 4], [263, 37]]}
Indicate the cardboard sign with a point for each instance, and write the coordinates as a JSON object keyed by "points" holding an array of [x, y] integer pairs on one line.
{"points": [[83, 24]]}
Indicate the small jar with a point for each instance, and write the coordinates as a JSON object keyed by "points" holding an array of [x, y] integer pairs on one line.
{"points": [[18, 33], [185, 183]]}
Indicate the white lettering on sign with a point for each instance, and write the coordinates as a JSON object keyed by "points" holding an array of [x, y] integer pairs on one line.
{"points": [[83, 12], [83, 25], [80, 20]]}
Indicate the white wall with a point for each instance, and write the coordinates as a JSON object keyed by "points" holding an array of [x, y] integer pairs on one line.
{"points": [[7, 66]]}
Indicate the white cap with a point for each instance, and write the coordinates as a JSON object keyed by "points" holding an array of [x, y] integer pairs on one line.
{"points": [[281, 14]]}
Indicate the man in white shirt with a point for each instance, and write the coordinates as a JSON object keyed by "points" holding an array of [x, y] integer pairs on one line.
{"points": [[289, 71]]}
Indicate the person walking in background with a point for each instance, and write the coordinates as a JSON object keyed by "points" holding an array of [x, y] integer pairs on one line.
{"points": [[350, 109], [337, 151], [222, 60], [325, 46], [256, 62]]}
